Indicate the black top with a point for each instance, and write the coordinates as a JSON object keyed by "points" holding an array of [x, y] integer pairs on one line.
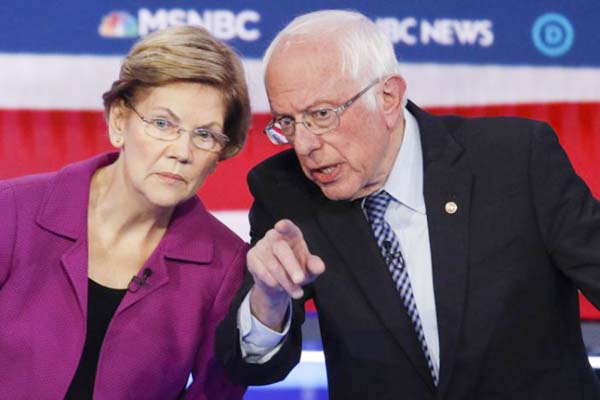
{"points": [[102, 304]]}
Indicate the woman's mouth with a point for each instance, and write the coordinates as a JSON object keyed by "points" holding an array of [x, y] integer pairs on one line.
{"points": [[169, 177]]}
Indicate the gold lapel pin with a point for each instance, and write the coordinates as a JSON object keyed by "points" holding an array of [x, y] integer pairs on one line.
{"points": [[451, 207]]}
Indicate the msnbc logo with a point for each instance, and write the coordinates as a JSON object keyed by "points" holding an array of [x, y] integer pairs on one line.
{"points": [[223, 24], [118, 24]]}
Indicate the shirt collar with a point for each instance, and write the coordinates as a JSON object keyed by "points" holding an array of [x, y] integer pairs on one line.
{"points": [[405, 182]]}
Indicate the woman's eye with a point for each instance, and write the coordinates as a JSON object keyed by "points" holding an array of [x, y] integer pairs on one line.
{"points": [[161, 123], [204, 134]]}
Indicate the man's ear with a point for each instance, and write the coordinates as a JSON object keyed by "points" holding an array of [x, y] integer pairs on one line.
{"points": [[116, 123], [394, 88]]}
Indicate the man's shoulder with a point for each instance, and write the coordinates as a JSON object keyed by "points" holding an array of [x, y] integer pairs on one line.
{"points": [[489, 144], [509, 138], [280, 169], [482, 126], [507, 124], [284, 162], [492, 128], [281, 177]]}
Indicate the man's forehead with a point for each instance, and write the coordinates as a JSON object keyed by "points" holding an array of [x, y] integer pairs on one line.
{"points": [[295, 82], [293, 96], [307, 56], [305, 43]]}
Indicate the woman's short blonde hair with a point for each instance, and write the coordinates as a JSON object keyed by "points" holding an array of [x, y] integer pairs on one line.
{"points": [[188, 54]]}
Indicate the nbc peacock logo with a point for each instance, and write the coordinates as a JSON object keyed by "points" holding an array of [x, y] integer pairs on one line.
{"points": [[118, 24]]}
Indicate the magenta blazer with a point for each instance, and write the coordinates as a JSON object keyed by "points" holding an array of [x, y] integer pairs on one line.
{"points": [[159, 334]]}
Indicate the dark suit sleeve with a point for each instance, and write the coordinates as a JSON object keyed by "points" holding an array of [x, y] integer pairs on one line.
{"points": [[568, 214], [7, 232], [227, 343]]}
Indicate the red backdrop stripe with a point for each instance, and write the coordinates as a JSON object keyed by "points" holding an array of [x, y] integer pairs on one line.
{"points": [[44, 140]]}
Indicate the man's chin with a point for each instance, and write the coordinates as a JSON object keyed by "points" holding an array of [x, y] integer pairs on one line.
{"points": [[335, 192], [340, 189], [338, 192]]}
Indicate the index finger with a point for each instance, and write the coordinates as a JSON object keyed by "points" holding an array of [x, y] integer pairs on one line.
{"points": [[290, 233], [288, 230]]}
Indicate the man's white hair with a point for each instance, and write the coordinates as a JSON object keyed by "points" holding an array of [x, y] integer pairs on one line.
{"points": [[366, 51]]}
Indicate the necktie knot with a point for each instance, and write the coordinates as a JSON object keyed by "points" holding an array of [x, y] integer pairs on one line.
{"points": [[375, 206]]}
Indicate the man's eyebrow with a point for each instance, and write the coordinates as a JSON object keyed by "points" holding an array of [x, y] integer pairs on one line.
{"points": [[281, 115], [312, 107]]}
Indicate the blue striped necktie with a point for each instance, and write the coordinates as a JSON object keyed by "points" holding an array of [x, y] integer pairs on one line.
{"points": [[375, 206]]}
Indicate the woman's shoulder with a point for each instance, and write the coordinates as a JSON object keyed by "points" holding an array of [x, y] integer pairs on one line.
{"points": [[194, 229], [220, 233], [21, 198], [29, 186]]}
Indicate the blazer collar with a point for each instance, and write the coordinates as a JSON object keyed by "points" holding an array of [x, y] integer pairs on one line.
{"points": [[65, 204], [447, 178], [189, 237], [405, 181], [436, 142]]}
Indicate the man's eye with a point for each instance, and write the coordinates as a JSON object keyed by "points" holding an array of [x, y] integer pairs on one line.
{"points": [[322, 114], [162, 123], [285, 122]]}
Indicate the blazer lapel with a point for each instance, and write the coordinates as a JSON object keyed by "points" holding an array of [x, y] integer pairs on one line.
{"points": [[363, 259], [158, 278], [447, 183], [74, 262], [188, 240], [64, 213]]}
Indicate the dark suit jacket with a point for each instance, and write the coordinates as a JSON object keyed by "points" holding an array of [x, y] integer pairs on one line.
{"points": [[506, 269]]}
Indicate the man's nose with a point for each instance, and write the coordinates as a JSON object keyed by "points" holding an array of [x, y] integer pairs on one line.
{"points": [[305, 141]]}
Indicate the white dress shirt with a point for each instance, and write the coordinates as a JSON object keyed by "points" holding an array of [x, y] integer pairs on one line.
{"points": [[408, 219]]}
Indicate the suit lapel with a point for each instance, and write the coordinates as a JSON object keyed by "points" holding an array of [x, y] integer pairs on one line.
{"points": [[363, 259], [448, 238], [447, 178], [447, 181]]}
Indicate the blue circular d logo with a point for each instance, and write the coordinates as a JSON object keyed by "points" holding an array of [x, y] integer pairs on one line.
{"points": [[552, 34]]}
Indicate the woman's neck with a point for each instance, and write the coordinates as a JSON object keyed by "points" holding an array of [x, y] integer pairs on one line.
{"points": [[120, 210]]}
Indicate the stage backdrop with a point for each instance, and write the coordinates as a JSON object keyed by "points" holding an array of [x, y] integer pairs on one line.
{"points": [[468, 57]]}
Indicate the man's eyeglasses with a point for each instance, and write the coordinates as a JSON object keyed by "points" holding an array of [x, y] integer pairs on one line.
{"points": [[161, 128], [281, 130]]}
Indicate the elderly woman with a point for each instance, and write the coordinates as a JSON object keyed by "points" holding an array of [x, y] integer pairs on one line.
{"points": [[113, 276]]}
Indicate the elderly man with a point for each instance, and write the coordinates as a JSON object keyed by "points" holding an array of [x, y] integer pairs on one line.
{"points": [[444, 254]]}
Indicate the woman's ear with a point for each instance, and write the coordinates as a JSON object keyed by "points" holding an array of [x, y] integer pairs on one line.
{"points": [[116, 123]]}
